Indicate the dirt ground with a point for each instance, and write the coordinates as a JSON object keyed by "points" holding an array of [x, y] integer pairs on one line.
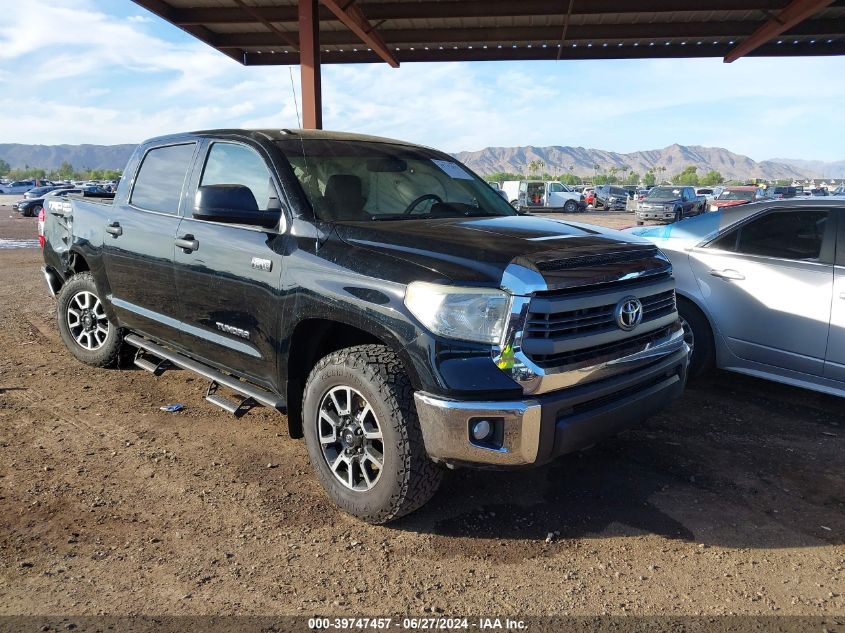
{"points": [[730, 502]]}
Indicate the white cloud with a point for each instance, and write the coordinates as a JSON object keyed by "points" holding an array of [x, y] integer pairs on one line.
{"points": [[70, 72]]}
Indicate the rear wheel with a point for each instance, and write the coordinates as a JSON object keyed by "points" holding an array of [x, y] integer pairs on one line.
{"points": [[363, 434], [83, 325]]}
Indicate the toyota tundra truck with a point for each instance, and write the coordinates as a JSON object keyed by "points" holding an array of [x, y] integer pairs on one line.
{"points": [[383, 296]]}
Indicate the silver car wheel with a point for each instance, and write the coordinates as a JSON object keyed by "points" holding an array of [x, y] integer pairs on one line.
{"points": [[350, 438], [689, 336], [87, 320]]}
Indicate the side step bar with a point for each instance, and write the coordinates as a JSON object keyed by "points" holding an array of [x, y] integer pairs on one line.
{"points": [[247, 390]]}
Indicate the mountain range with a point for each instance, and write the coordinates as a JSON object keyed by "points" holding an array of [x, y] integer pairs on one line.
{"points": [[664, 162], [49, 157], [556, 160]]}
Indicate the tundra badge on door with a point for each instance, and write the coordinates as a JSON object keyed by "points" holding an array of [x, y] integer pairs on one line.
{"points": [[231, 329], [262, 264]]}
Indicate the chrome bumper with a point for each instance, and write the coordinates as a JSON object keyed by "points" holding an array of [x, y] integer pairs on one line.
{"points": [[537, 429], [445, 427]]}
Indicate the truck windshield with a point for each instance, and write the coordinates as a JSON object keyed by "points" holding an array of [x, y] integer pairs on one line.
{"points": [[362, 180], [664, 193]]}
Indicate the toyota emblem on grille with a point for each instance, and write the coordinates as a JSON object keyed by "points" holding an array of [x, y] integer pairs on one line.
{"points": [[628, 313]]}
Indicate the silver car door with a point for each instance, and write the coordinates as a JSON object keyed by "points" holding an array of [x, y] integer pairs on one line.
{"points": [[768, 287]]}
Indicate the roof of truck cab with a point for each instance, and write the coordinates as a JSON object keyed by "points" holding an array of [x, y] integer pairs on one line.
{"points": [[279, 134]]}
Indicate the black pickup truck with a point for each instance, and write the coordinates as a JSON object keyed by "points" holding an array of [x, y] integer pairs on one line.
{"points": [[670, 204], [400, 312]]}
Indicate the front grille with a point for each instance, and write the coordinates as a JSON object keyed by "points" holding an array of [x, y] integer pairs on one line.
{"points": [[593, 320], [598, 354]]}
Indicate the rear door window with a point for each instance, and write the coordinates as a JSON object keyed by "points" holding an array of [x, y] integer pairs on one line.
{"points": [[159, 183]]}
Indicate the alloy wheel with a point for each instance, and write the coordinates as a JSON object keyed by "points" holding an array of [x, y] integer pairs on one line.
{"points": [[87, 320], [350, 438]]}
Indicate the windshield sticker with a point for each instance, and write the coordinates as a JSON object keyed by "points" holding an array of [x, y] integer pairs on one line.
{"points": [[453, 170]]}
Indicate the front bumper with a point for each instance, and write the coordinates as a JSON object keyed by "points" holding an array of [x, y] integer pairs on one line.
{"points": [[538, 429], [655, 215]]}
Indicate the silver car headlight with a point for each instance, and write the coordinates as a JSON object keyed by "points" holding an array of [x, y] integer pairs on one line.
{"points": [[467, 314]]}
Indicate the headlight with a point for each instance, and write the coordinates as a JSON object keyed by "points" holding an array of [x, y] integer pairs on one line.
{"points": [[668, 207], [468, 314]]}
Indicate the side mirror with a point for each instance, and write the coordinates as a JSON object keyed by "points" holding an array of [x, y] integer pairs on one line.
{"points": [[231, 204]]}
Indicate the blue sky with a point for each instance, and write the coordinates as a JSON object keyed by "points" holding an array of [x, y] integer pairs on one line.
{"points": [[106, 71]]}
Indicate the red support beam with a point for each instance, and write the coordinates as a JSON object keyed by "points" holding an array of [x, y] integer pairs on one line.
{"points": [[309, 65], [355, 20], [795, 12]]}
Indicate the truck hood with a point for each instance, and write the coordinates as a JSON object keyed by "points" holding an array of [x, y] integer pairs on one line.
{"points": [[477, 250], [729, 203]]}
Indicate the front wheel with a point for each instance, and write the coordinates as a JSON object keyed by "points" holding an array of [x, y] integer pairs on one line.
{"points": [[363, 434], [698, 335], [34, 211], [570, 206], [83, 325]]}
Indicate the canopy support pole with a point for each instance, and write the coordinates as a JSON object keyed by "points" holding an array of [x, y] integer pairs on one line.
{"points": [[309, 65]]}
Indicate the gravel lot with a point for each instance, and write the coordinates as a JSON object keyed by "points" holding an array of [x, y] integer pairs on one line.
{"points": [[730, 502]]}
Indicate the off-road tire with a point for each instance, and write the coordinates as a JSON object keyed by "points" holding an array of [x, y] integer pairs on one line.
{"points": [[409, 478], [703, 353], [105, 356]]}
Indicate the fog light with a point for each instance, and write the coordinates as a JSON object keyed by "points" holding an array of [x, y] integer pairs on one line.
{"points": [[481, 430]]}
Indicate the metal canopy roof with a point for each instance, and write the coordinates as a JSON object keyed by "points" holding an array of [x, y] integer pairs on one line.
{"points": [[266, 32]]}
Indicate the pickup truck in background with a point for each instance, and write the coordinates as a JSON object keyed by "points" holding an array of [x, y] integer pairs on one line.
{"points": [[401, 313], [670, 204], [537, 195]]}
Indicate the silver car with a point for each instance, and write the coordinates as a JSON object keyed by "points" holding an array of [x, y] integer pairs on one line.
{"points": [[761, 289]]}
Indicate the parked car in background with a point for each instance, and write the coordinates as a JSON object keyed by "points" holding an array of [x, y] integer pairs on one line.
{"points": [[709, 193], [820, 191], [781, 193], [31, 207], [611, 198], [18, 186], [589, 194], [670, 204], [760, 292], [39, 192], [543, 195], [839, 191], [735, 196]]}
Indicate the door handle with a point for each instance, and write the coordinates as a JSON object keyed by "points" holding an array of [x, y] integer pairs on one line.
{"points": [[113, 229], [187, 243], [842, 295], [729, 274]]}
